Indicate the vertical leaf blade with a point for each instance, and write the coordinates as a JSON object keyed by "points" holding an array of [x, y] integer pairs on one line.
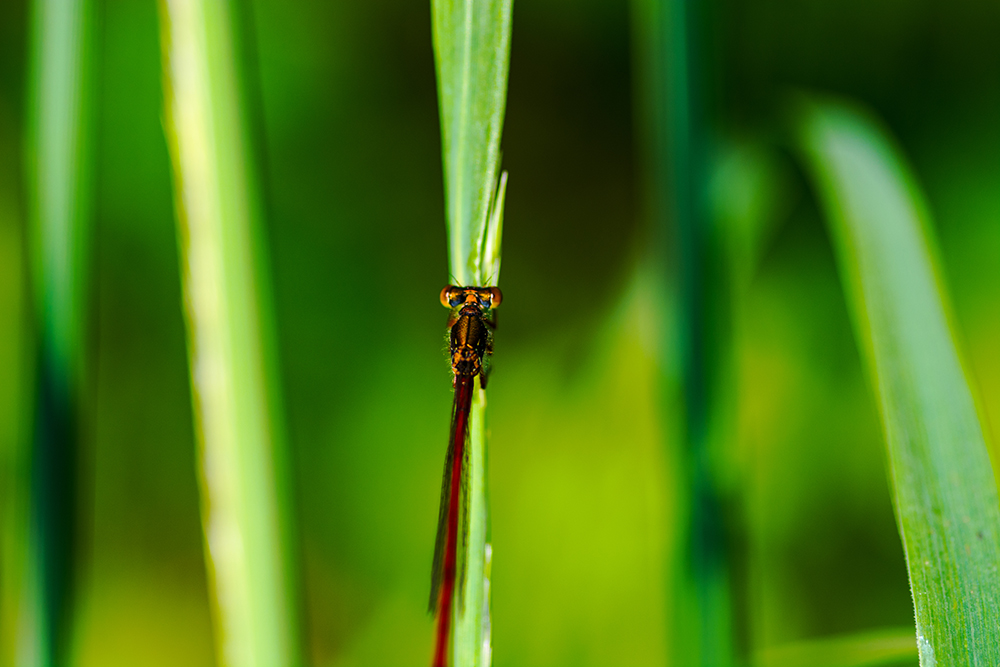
{"points": [[670, 40], [57, 188], [472, 54], [945, 493], [246, 515]]}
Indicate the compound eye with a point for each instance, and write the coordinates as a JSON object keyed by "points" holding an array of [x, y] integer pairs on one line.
{"points": [[451, 296], [496, 296]]}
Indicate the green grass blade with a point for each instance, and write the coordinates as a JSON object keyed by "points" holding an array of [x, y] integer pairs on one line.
{"points": [[944, 489], [669, 42], [245, 506], [472, 54], [57, 188], [471, 643]]}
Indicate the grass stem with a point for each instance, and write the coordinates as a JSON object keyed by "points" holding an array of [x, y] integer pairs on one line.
{"points": [[472, 54], [245, 500], [669, 36], [57, 185]]}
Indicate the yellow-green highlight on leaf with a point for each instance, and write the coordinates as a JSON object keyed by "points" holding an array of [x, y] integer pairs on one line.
{"points": [[472, 54], [944, 491], [245, 506]]}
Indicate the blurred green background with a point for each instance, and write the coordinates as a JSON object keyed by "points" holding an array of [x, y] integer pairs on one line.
{"points": [[579, 479]]}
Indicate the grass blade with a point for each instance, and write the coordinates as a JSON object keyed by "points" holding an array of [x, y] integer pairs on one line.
{"points": [[245, 505], [57, 185], [669, 41], [472, 55], [945, 494]]}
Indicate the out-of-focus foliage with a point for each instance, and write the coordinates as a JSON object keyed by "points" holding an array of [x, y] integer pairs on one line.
{"points": [[246, 495], [880, 647], [353, 177], [57, 195]]}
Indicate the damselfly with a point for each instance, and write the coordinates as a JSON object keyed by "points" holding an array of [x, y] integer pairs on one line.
{"points": [[470, 346]]}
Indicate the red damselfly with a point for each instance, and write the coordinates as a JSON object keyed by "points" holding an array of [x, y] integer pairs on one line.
{"points": [[470, 346]]}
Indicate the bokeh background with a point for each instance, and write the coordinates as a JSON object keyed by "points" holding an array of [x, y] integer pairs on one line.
{"points": [[581, 469]]}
